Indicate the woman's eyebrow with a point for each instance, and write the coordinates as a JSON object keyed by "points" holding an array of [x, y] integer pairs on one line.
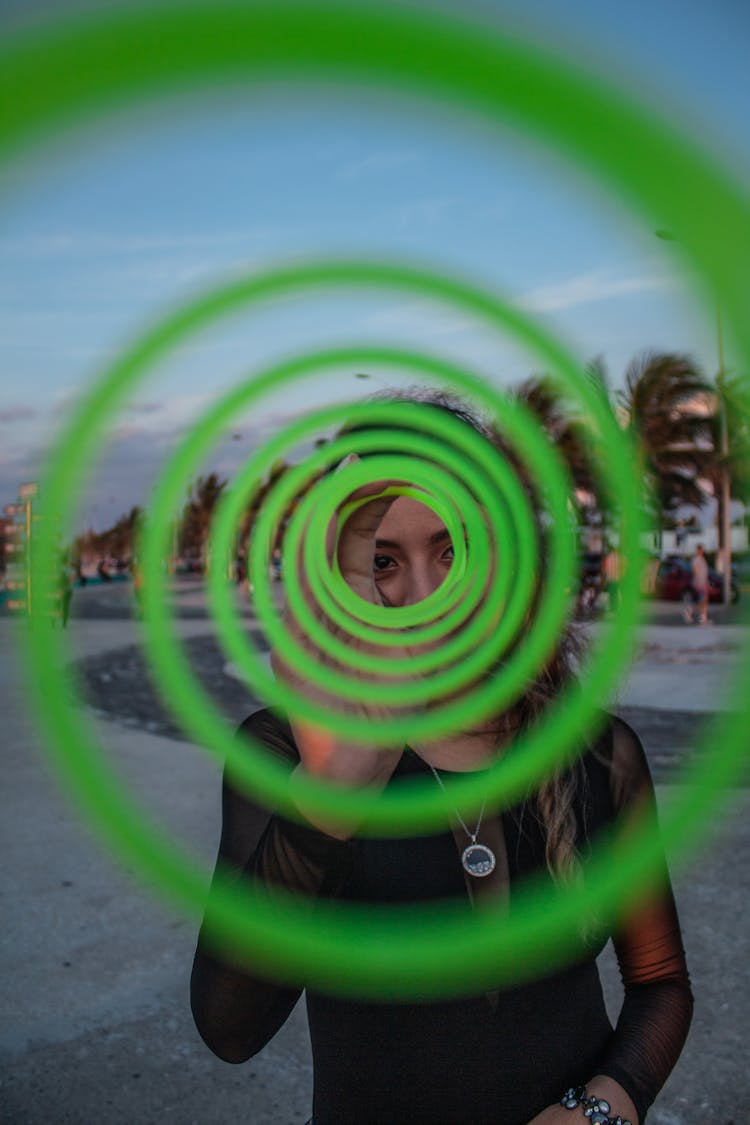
{"points": [[439, 536], [436, 537]]}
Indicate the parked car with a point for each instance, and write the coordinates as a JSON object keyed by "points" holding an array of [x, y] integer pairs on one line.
{"points": [[674, 582]]}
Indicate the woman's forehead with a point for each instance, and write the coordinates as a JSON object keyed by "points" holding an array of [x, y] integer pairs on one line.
{"points": [[408, 521]]}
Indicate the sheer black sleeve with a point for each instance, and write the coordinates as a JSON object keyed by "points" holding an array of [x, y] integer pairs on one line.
{"points": [[658, 1003], [236, 1012]]}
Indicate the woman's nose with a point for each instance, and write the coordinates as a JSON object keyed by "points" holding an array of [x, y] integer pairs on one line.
{"points": [[422, 582]]}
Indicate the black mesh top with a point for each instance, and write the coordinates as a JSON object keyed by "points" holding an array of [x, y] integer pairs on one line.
{"points": [[492, 1059]]}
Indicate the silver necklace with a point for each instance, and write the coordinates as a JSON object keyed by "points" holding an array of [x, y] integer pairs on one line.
{"points": [[477, 859]]}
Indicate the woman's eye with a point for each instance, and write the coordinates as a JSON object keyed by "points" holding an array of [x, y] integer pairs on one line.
{"points": [[382, 562], [448, 553]]}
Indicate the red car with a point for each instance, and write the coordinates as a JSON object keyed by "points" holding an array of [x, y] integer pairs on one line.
{"points": [[674, 582]]}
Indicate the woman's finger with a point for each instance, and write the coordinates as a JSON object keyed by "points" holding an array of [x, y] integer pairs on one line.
{"points": [[356, 544]]}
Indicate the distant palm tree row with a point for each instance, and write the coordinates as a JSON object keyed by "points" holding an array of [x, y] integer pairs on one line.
{"points": [[674, 413], [672, 410]]}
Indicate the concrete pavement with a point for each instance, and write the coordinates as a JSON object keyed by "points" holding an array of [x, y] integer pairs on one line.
{"points": [[95, 971]]}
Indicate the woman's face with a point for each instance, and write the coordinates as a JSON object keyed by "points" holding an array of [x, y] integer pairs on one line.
{"points": [[413, 553]]}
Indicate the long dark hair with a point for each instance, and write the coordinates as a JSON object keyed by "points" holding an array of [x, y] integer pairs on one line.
{"points": [[554, 801]]}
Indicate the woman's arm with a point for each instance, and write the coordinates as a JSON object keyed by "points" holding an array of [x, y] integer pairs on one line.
{"points": [[236, 1011], [658, 1002]]}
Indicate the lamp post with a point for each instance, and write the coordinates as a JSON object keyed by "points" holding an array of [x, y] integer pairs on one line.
{"points": [[724, 522], [726, 498]]}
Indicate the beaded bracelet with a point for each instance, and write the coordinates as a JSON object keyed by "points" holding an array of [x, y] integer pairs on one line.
{"points": [[596, 1109]]}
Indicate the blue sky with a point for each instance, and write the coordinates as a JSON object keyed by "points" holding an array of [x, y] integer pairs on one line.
{"points": [[107, 228]]}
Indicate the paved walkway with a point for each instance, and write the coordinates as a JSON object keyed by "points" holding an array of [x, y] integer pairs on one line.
{"points": [[94, 990]]}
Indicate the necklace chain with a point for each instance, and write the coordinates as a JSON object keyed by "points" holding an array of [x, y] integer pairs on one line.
{"points": [[472, 835]]}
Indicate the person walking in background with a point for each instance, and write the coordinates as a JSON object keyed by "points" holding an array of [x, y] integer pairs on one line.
{"points": [[719, 561], [699, 568], [137, 576], [64, 592], [612, 574]]}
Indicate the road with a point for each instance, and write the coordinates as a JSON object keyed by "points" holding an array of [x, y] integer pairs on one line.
{"points": [[94, 989]]}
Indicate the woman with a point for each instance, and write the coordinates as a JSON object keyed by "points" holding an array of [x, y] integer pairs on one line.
{"points": [[542, 1052]]}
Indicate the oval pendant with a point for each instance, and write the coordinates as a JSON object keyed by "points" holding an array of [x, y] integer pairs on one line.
{"points": [[478, 860]]}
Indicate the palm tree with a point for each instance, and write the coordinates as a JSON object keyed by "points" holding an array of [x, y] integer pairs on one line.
{"points": [[121, 536], [567, 429], [196, 516], [666, 405], [277, 470]]}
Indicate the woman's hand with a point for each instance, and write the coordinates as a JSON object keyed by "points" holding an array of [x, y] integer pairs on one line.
{"points": [[601, 1087], [323, 754]]}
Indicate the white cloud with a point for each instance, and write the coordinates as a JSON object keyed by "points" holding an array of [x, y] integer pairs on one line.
{"points": [[586, 288], [378, 163], [145, 407], [430, 209], [69, 243], [12, 414], [418, 316]]}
